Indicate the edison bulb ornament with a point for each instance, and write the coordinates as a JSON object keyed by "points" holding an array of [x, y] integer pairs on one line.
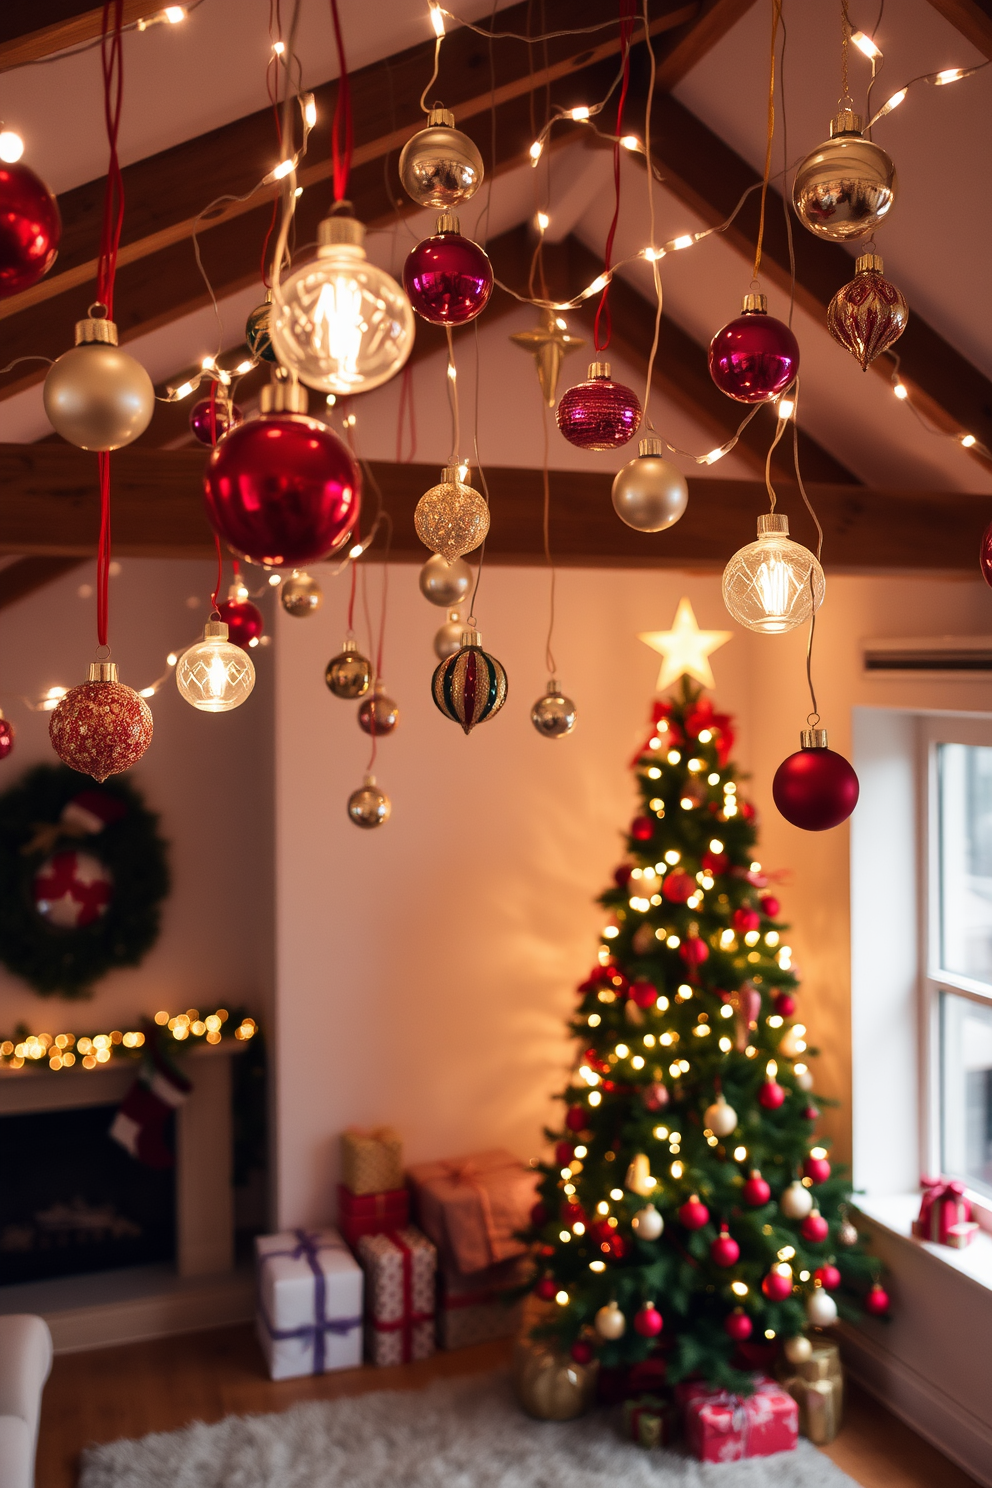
{"points": [[599, 414], [349, 674], [440, 166], [30, 228], [448, 277], [847, 185], [471, 686], [368, 806], [215, 675], [868, 315], [755, 357], [339, 322], [445, 583], [301, 596], [796, 1201], [610, 1322], [821, 1309], [648, 1223], [451, 518], [774, 584], [448, 639], [101, 727], [378, 715], [720, 1118], [815, 788], [553, 715], [650, 493], [96, 396]]}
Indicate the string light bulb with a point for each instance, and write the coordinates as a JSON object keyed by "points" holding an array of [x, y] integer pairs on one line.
{"points": [[11, 146], [214, 675], [773, 584]]}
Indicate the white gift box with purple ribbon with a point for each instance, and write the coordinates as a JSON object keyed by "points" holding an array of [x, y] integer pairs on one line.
{"points": [[309, 1303]]}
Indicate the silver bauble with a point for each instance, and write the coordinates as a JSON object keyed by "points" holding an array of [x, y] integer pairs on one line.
{"points": [[797, 1349], [648, 1223], [796, 1202], [610, 1321], [368, 806], [449, 638], [804, 1079], [847, 1234], [440, 166], [720, 1118], [96, 396], [650, 493], [553, 715], [821, 1309], [845, 187], [445, 583], [301, 595]]}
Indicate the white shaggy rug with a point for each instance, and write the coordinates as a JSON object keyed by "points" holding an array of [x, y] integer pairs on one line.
{"points": [[455, 1434]]}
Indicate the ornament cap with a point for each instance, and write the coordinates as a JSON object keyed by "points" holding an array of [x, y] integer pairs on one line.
{"points": [[651, 445], [440, 116], [341, 228], [846, 121], [102, 671], [599, 369], [813, 738], [284, 394], [755, 303], [96, 329], [447, 222], [450, 475], [773, 523], [215, 630], [471, 638], [866, 263]]}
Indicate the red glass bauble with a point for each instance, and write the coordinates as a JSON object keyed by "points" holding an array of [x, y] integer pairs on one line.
{"points": [[539, 1216], [771, 1095], [575, 1118], [777, 1286], [869, 314], [72, 889], [814, 1228], [769, 905], [816, 1169], [448, 279], [101, 728], [210, 428], [678, 887], [738, 1325], [30, 229], [648, 1321], [754, 358], [810, 1113], [694, 1214], [243, 620], [828, 1276], [746, 920], [572, 1213], [282, 490], [877, 1301], [694, 951], [599, 414], [815, 789], [546, 1289], [756, 1191], [714, 863], [7, 736], [724, 1251], [564, 1152], [785, 1005], [645, 994], [582, 1352], [642, 829], [378, 714], [985, 555], [621, 875]]}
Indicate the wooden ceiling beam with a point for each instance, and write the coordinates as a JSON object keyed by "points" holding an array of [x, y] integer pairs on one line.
{"points": [[25, 576], [973, 18], [55, 26]]}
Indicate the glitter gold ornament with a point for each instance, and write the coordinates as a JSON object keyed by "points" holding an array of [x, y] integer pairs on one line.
{"points": [[451, 518], [349, 674], [471, 685], [440, 166], [869, 314], [553, 715], [368, 806], [845, 186], [549, 344], [301, 595], [101, 727], [96, 396]]}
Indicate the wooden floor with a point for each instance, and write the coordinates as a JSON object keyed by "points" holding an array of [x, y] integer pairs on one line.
{"points": [[142, 1387]]}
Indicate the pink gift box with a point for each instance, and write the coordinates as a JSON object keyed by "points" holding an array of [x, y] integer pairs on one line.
{"points": [[945, 1213], [471, 1206], [722, 1427]]}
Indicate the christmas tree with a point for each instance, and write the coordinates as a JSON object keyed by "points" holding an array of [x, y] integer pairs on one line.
{"points": [[690, 1211]]}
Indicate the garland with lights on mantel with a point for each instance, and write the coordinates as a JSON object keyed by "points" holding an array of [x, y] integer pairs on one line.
{"points": [[90, 1051]]}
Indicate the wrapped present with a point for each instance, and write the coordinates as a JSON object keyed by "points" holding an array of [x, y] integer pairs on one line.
{"points": [[309, 1314], [371, 1161], [472, 1206], [723, 1427], [945, 1214], [474, 1309], [817, 1387], [372, 1214], [650, 1420], [400, 1274]]}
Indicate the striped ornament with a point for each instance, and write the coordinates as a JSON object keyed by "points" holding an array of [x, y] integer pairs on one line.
{"points": [[471, 685]]}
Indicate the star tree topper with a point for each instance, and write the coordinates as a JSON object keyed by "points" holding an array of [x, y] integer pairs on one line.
{"points": [[685, 649]]}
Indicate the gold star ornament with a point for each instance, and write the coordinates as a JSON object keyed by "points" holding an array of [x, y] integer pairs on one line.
{"points": [[549, 344], [685, 649]]}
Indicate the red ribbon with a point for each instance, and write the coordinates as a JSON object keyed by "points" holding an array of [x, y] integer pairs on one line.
{"points": [[404, 1324]]}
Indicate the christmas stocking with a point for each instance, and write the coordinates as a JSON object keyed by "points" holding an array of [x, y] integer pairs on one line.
{"points": [[139, 1125]]}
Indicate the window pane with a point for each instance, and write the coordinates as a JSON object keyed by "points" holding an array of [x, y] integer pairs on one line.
{"points": [[966, 1095], [965, 775]]}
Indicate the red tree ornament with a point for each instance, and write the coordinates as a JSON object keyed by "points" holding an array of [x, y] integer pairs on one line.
{"points": [[738, 1325], [985, 555], [546, 1289], [816, 1169], [814, 1228], [877, 1301], [575, 1118], [582, 1351], [642, 829], [868, 315], [211, 418], [539, 1216], [678, 886], [815, 789], [771, 1095], [746, 920], [30, 229], [694, 1214], [777, 1284], [101, 727], [715, 863], [645, 994], [828, 1276], [724, 1251], [769, 905], [7, 736], [72, 889], [756, 1191], [448, 278], [785, 1005], [694, 951], [655, 1096], [621, 875], [648, 1321], [564, 1152], [243, 619], [599, 414], [755, 357]]}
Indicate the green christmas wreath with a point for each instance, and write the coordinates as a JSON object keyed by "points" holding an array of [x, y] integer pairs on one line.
{"points": [[83, 873]]}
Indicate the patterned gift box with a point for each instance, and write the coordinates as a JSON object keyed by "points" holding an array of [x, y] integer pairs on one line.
{"points": [[722, 1427], [372, 1160], [309, 1314], [650, 1420], [473, 1309], [472, 1206], [400, 1274], [371, 1214]]}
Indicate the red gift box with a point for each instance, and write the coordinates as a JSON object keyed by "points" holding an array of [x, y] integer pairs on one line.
{"points": [[722, 1427], [371, 1214], [945, 1214]]}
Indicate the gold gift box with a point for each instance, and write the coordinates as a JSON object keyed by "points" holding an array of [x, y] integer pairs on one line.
{"points": [[371, 1161], [817, 1386]]}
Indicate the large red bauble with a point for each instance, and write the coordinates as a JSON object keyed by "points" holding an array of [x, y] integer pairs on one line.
{"points": [[776, 1286], [738, 1325], [771, 1095], [815, 789], [769, 905], [448, 279], [715, 863], [546, 1289], [814, 1228], [72, 889], [599, 414], [985, 555], [694, 1214], [282, 490], [645, 994], [564, 1152], [30, 229], [582, 1351], [572, 1213], [877, 1301], [101, 728], [756, 1191], [816, 1169], [621, 875], [746, 920], [575, 1118], [7, 736], [785, 1005], [678, 887], [694, 951], [209, 427], [724, 1251], [243, 620], [828, 1276], [648, 1322], [642, 829], [754, 358]]}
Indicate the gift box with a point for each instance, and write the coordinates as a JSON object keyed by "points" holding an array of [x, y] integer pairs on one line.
{"points": [[817, 1387], [472, 1206], [372, 1214], [309, 1314], [371, 1161], [400, 1276], [474, 1309], [651, 1420], [945, 1214], [722, 1427]]}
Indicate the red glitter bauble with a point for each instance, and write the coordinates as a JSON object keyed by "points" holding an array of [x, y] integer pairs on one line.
{"points": [[814, 1228], [72, 889], [448, 279], [694, 951], [785, 1005], [243, 620], [575, 1118], [204, 425], [868, 315], [7, 736], [564, 1152], [642, 829], [754, 357], [282, 490], [30, 229], [877, 1301], [769, 905], [599, 414], [738, 1325], [645, 994], [539, 1216], [811, 1113], [985, 555], [546, 1289], [694, 1214], [648, 1322], [817, 1169], [776, 1286], [756, 1191], [815, 789], [771, 1095], [746, 920], [828, 1276], [101, 728], [724, 1251], [582, 1352], [678, 887]]}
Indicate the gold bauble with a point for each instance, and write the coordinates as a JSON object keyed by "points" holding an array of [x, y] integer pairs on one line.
{"points": [[349, 674], [845, 187], [451, 518], [369, 806], [440, 166], [301, 595], [549, 1385]]}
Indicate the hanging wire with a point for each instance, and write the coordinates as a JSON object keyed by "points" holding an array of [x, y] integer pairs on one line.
{"points": [[776, 16], [452, 377], [603, 309], [656, 272], [549, 657]]}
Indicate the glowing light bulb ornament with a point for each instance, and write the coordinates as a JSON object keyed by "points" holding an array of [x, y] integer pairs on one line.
{"points": [[369, 806], [448, 277], [440, 166], [101, 727], [96, 396], [471, 686], [847, 185], [773, 584], [754, 357], [599, 414], [301, 596], [214, 675], [451, 518], [553, 715], [30, 228], [339, 322], [815, 788], [445, 583], [650, 493], [869, 314]]}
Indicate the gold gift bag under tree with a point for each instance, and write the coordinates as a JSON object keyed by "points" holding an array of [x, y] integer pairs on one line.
{"points": [[817, 1386]]}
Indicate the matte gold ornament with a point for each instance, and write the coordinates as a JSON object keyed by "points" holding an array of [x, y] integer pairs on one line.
{"points": [[451, 518], [440, 166], [553, 715], [368, 806], [445, 583], [869, 314], [349, 674], [649, 492], [847, 185], [610, 1322], [448, 639], [301, 595], [549, 344], [96, 396]]}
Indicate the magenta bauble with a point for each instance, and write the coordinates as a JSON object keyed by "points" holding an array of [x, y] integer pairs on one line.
{"points": [[7, 737], [210, 424], [575, 1118], [777, 1285], [599, 414], [694, 1214], [755, 357], [816, 1169], [539, 1216], [746, 920], [738, 1325], [244, 621], [785, 1005], [828, 1276], [582, 1351], [648, 1321], [814, 1228], [546, 1289], [877, 1301], [101, 727], [621, 875], [724, 1251], [645, 994], [448, 278], [815, 788], [282, 490], [694, 951], [678, 887], [756, 1191], [771, 1095], [985, 555], [30, 229], [769, 905]]}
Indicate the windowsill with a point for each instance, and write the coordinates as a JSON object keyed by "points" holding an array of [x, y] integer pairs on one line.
{"points": [[896, 1213]]}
